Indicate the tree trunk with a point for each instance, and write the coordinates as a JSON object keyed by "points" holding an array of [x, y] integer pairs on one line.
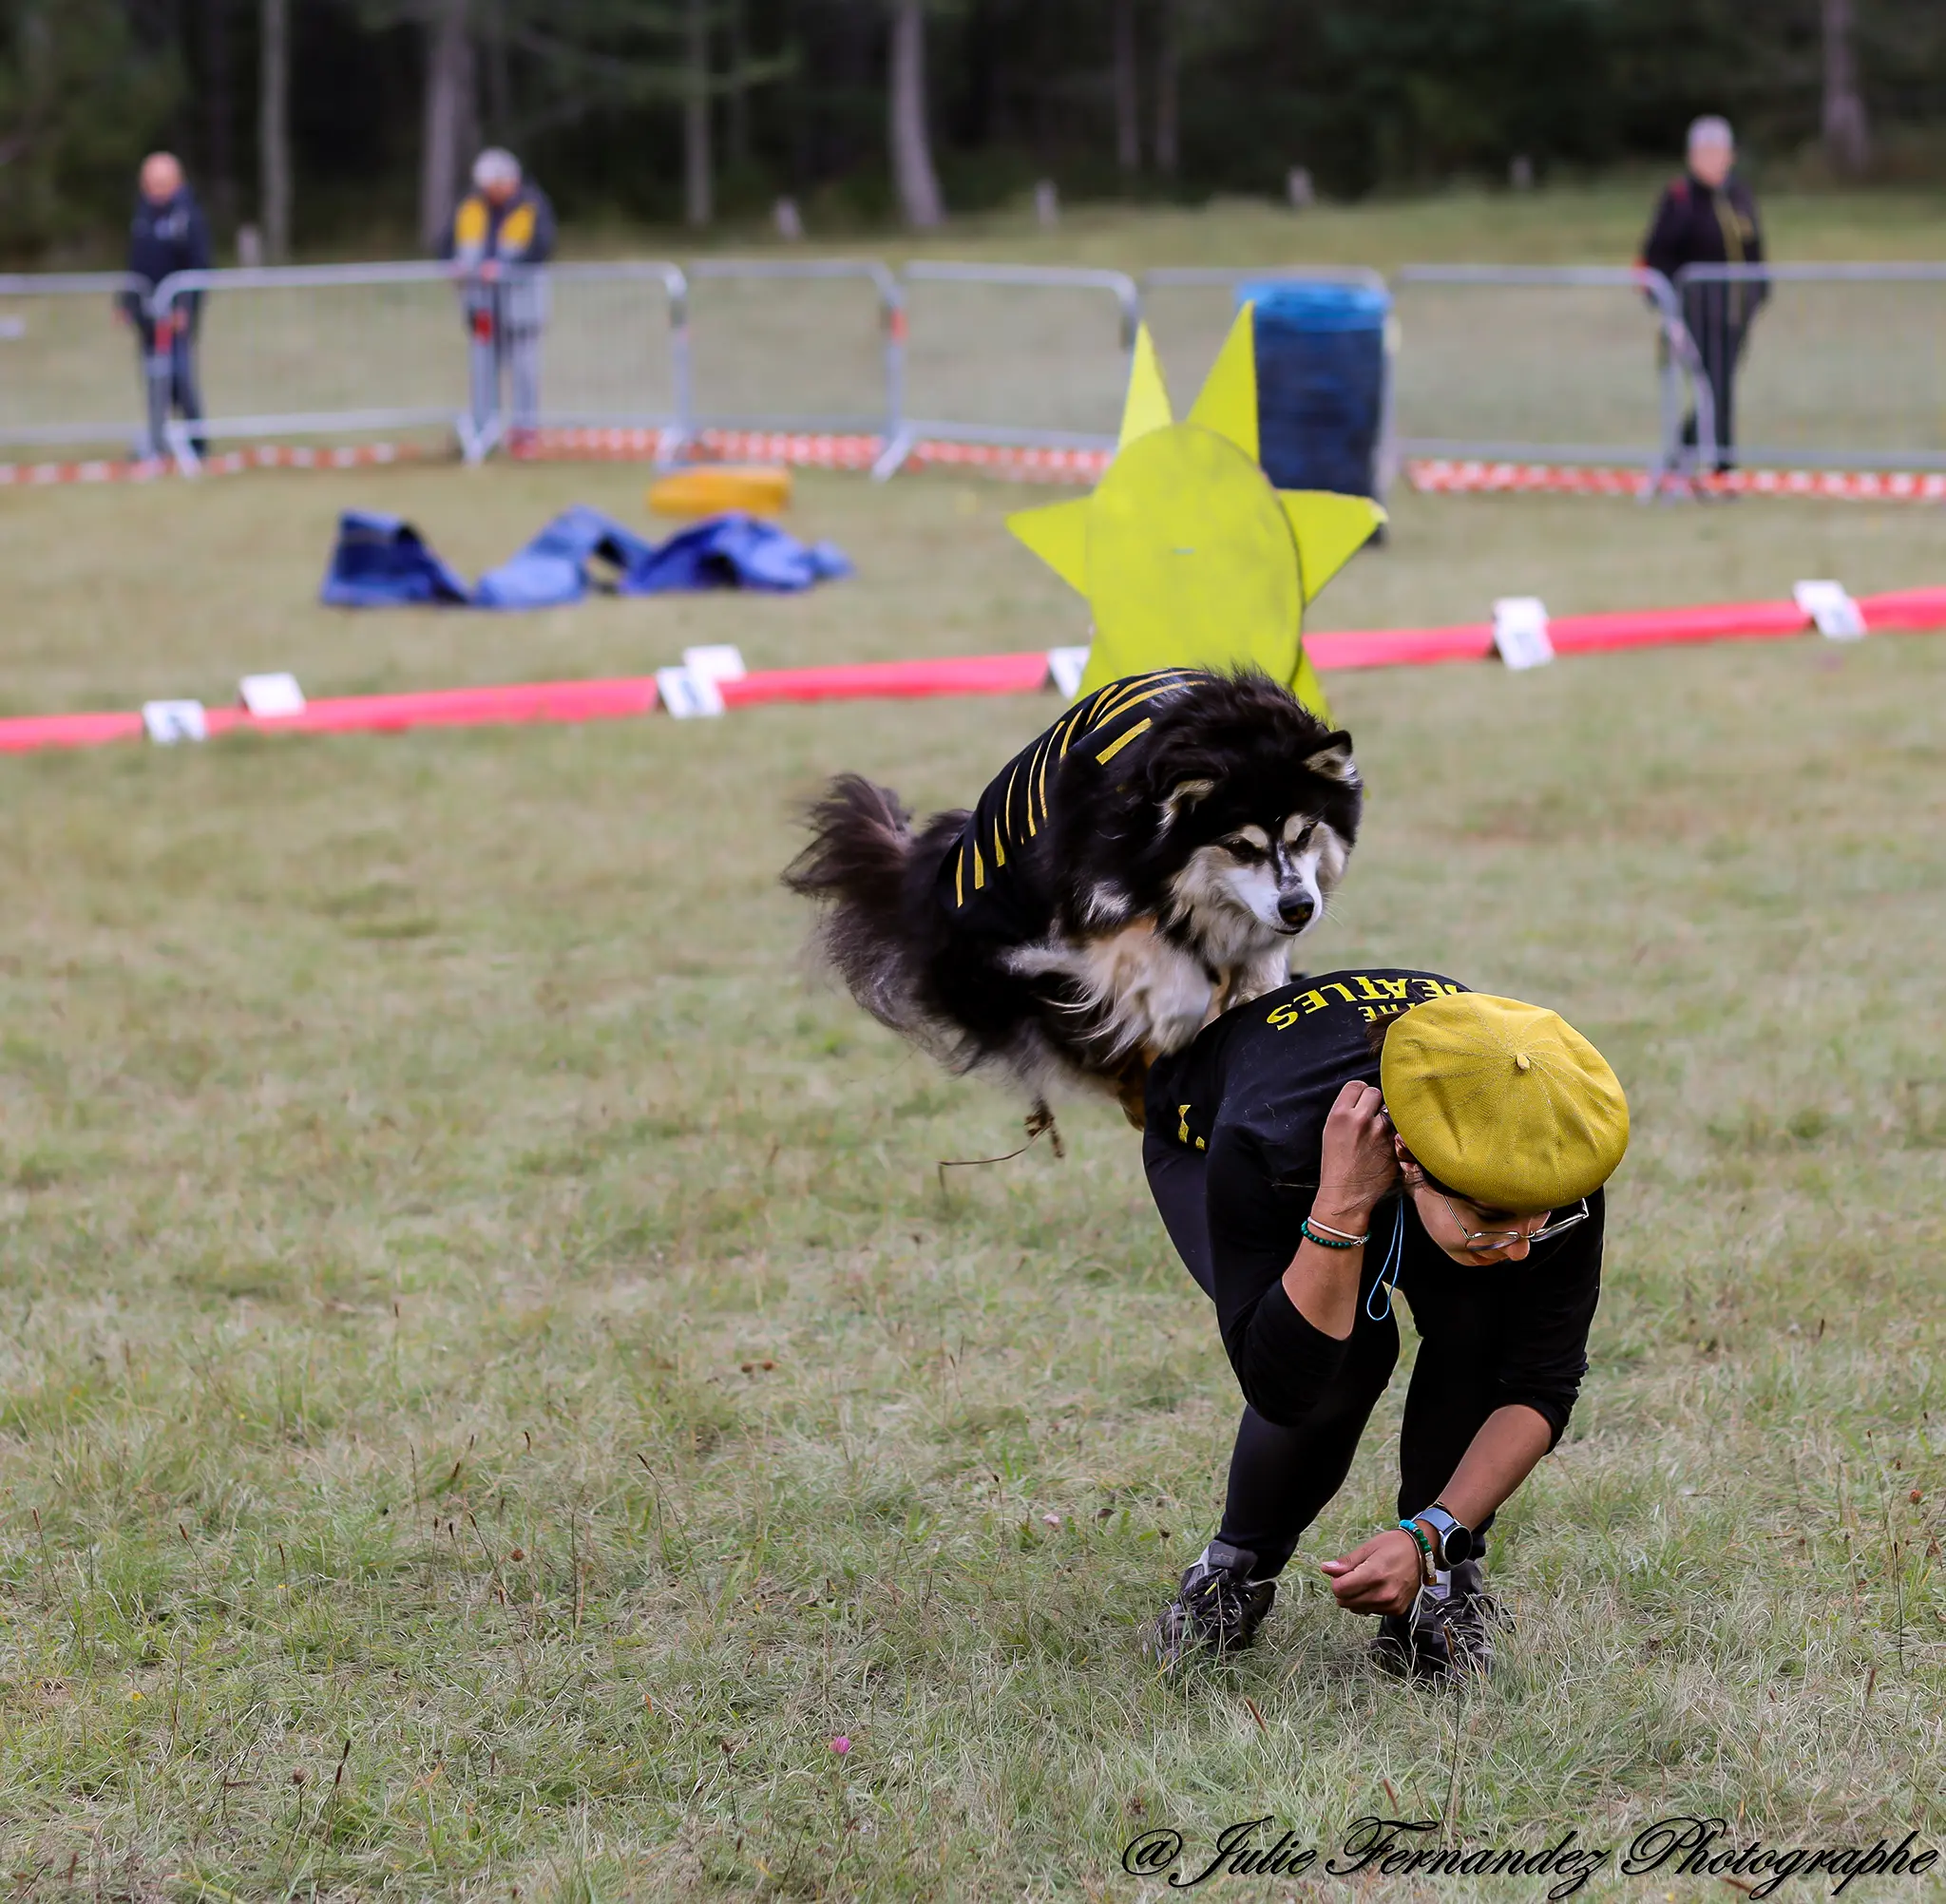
{"points": [[1168, 93], [737, 130], [499, 80], [913, 175], [273, 129], [452, 117], [1128, 130], [697, 185], [1847, 133], [218, 153]]}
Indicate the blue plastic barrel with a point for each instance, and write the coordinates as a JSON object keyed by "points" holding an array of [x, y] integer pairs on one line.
{"points": [[1320, 382]]}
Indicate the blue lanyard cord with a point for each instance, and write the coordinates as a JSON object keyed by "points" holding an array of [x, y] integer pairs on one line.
{"points": [[1388, 1273]]}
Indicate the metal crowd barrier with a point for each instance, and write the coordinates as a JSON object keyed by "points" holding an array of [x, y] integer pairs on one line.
{"points": [[1831, 365], [70, 360], [616, 348], [1489, 370], [983, 356], [312, 349], [309, 350], [1838, 364], [826, 353]]}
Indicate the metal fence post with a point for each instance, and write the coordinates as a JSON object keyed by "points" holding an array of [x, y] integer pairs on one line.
{"points": [[681, 370], [898, 437]]}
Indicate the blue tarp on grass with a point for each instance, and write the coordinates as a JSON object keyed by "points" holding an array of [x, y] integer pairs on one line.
{"points": [[382, 563]]}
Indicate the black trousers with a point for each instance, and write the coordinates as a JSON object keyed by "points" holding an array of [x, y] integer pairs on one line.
{"points": [[1281, 1478], [1718, 324], [170, 385]]}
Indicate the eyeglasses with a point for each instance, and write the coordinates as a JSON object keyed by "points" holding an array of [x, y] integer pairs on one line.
{"points": [[1480, 1240]]}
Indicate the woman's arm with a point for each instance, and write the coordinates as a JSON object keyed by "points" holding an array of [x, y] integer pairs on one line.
{"points": [[1507, 1449], [1357, 1167], [1381, 1575]]}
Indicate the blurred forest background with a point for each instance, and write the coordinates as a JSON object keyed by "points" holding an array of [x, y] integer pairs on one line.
{"points": [[348, 125]]}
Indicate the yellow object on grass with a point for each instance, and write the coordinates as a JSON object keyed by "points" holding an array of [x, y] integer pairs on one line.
{"points": [[1187, 555], [1506, 1103], [760, 488]]}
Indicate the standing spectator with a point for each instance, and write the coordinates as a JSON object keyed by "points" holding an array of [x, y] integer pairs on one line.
{"points": [[503, 228], [168, 235], [1708, 217]]}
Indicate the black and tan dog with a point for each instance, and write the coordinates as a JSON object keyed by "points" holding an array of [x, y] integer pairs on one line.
{"points": [[1139, 868]]}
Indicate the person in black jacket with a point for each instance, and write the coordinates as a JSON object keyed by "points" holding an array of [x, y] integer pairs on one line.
{"points": [[503, 229], [1310, 1152], [166, 235], [1708, 216]]}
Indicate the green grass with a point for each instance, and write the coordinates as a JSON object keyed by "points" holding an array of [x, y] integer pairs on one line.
{"points": [[492, 1385]]}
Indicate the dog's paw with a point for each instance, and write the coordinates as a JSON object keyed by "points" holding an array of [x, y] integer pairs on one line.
{"points": [[1040, 1122]]}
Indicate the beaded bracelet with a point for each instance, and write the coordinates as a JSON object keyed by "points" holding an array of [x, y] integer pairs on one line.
{"points": [[1426, 1548], [1305, 1229]]}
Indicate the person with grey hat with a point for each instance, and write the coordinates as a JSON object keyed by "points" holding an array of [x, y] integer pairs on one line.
{"points": [[501, 232], [1708, 216]]}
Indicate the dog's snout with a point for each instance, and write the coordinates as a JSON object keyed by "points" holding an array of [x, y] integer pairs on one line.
{"points": [[1296, 909]]}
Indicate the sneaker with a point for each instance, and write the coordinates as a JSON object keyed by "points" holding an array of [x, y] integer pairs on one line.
{"points": [[1217, 1608], [1444, 1634]]}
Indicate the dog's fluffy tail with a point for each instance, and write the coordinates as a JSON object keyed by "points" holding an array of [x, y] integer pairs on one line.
{"points": [[867, 872]]}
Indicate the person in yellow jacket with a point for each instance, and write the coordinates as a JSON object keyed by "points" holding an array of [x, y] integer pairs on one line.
{"points": [[501, 232]]}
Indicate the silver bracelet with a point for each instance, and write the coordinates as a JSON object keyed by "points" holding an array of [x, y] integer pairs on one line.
{"points": [[1331, 1228]]}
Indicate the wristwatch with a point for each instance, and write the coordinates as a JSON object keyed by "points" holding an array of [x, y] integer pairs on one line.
{"points": [[1455, 1542]]}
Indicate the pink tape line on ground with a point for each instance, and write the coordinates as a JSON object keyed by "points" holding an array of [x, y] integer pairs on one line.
{"points": [[1905, 611]]}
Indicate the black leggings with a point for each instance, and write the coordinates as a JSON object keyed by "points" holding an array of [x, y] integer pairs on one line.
{"points": [[1280, 1478]]}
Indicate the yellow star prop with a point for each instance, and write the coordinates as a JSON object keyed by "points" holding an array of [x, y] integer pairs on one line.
{"points": [[1186, 554]]}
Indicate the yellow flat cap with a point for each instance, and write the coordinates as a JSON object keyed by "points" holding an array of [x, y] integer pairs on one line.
{"points": [[1505, 1103]]}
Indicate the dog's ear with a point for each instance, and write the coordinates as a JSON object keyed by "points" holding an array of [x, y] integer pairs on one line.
{"points": [[1333, 760], [1184, 794]]}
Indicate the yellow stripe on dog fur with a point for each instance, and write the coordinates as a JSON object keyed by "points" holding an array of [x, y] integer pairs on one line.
{"points": [[1114, 747]]}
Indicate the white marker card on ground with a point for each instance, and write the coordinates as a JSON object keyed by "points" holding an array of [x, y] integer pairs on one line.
{"points": [[1833, 613], [1520, 631], [169, 722], [1065, 667], [687, 695], [719, 662], [271, 696]]}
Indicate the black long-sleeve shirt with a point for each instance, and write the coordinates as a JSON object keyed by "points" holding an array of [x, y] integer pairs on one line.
{"points": [[1253, 1091], [162, 239], [1695, 223]]}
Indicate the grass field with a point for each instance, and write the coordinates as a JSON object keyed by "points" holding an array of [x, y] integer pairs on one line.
{"points": [[491, 1387]]}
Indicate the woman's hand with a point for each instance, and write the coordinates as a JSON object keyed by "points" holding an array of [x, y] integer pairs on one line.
{"points": [[1380, 1576], [1360, 1163]]}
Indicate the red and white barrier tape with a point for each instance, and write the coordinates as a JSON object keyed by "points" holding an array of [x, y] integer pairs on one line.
{"points": [[1440, 477], [814, 449], [225, 462], [1907, 611], [827, 449]]}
